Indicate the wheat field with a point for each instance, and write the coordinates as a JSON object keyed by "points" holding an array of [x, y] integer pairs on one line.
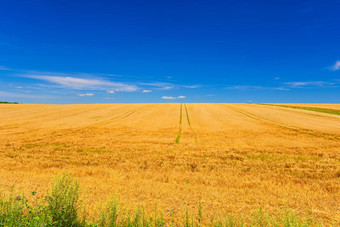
{"points": [[226, 157]]}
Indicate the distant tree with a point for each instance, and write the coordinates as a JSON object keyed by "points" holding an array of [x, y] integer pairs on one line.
{"points": [[9, 103]]}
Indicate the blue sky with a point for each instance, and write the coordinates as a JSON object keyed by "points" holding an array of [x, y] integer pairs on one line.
{"points": [[170, 51]]}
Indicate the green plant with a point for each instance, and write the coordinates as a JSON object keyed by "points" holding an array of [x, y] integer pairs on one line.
{"points": [[61, 208], [62, 203]]}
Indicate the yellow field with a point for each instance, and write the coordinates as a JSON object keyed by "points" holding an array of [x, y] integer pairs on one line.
{"points": [[228, 157]]}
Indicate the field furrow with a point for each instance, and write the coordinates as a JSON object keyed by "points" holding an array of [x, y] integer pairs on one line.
{"points": [[310, 132], [188, 119], [308, 108], [180, 126]]}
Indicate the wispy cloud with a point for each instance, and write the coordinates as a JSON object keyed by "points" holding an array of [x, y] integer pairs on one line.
{"points": [[168, 97], [160, 85], [18, 95], [308, 83], [192, 86], [111, 92], [181, 97], [286, 86], [79, 83], [168, 86], [86, 94], [336, 66], [244, 87], [4, 68], [147, 91], [281, 88]]}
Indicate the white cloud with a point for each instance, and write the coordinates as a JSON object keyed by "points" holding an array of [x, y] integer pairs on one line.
{"points": [[181, 97], [4, 68], [281, 89], [86, 94], [82, 83], [192, 86], [146, 91], [111, 92], [19, 87], [16, 95], [160, 85], [168, 86], [129, 88], [244, 87], [336, 66], [308, 83], [168, 97]]}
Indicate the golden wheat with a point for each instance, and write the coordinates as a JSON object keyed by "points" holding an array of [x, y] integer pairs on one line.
{"points": [[228, 157]]}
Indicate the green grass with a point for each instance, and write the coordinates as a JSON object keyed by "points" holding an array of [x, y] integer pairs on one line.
{"points": [[315, 109], [178, 136], [61, 207]]}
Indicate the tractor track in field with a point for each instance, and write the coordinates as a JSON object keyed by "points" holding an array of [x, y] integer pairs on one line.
{"points": [[180, 125], [314, 111], [177, 140], [309, 132], [28, 122], [119, 117], [192, 131]]}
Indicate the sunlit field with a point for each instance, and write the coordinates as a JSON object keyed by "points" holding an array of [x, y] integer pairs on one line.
{"points": [[226, 157]]}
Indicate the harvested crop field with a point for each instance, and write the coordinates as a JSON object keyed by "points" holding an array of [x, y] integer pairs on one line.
{"points": [[225, 156]]}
